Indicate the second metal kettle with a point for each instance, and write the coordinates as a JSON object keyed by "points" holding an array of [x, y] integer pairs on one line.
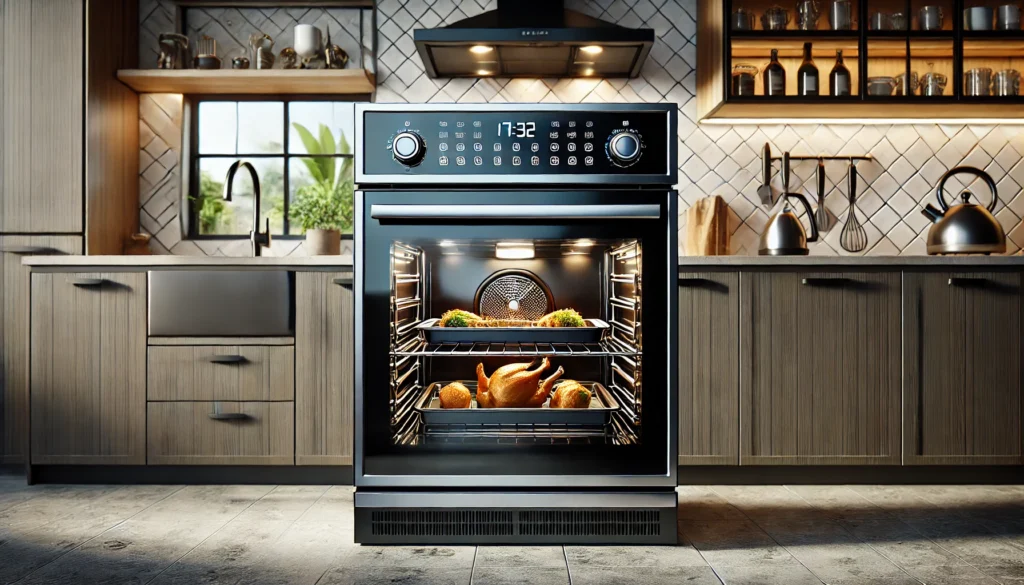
{"points": [[967, 228], [784, 235]]}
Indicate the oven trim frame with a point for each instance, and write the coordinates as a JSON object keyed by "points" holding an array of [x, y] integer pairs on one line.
{"points": [[525, 481], [624, 178]]}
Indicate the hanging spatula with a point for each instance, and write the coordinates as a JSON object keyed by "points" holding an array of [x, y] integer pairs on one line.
{"points": [[764, 192], [824, 217]]}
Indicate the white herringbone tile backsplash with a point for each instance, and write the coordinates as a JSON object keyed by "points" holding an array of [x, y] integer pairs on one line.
{"points": [[722, 160]]}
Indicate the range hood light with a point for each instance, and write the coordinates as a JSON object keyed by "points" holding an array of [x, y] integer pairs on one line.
{"points": [[483, 72], [480, 49], [588, 71], [592, 49], [514, 250]]}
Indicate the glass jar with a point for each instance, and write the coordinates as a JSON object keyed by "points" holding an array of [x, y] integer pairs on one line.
{"points": [[743, 78]]}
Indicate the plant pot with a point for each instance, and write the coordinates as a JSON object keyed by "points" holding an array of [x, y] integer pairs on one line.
{"points": [[323, 242]]}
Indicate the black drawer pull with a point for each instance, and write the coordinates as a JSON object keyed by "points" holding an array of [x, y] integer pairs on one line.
{"points": [[30, 250], [967, 281], [227, 359], [827, 281], [345, 281], [705, 283], [87, 282], [228, 416]]}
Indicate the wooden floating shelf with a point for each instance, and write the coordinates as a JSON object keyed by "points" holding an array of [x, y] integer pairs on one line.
{"points": [[249, 81], [895, 108]]}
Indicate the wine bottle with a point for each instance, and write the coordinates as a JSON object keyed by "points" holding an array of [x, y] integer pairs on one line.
{"points": [[807, 75], [774, 77], [839, 80]]}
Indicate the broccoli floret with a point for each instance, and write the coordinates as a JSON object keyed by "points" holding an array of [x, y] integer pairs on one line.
{"points": [[567, 318], [457, 318]]}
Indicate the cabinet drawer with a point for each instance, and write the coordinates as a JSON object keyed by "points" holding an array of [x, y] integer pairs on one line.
{"points": [[221, 433], [221, 372]]}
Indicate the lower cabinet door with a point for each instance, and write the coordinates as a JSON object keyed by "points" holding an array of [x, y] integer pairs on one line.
{"points": [[324, 368], [820, 368], [709, 368], [88, 368], [221, 433], [14, 312], [962, 368]]}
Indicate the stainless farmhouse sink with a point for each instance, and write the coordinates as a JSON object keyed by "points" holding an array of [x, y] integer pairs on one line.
{"points": [[221, 303]]}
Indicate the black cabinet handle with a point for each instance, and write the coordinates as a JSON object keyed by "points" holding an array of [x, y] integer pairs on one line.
{"points": [[967, 281], [227, 359], [228, 416], [345, 281], [826, 281], [87, 282], [705, 283], [30, 250]]}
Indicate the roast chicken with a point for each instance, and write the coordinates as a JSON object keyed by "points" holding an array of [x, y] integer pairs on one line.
{"points": [[515, 385]]}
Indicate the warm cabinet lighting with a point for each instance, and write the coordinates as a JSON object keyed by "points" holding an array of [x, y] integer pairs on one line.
{"points": [[481, 49], [592, 49], [482, 72]]}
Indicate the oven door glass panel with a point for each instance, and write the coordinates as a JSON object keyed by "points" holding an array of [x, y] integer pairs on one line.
{"points": [[510, 259]]}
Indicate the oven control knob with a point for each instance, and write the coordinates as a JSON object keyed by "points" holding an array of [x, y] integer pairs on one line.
{"points": [[408, 148], [625, 147]]}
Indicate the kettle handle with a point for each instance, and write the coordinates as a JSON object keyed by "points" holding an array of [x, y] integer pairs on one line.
{"points": [[810, 216], [969, 171]]}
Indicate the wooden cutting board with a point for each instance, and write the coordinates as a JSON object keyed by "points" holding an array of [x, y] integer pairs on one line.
{"points": [[707, 228]]}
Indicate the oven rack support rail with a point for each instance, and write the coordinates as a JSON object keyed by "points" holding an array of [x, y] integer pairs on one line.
{"points": [[606, 348]]}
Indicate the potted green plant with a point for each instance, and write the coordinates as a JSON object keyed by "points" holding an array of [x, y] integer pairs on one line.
{"points": [[323, 209]]}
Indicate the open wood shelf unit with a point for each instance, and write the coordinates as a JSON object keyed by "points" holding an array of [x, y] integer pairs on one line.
{"points": [[867, 53], [249, 81]]}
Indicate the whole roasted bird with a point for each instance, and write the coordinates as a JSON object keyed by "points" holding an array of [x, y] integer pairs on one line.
{"points": [[515, 385]]}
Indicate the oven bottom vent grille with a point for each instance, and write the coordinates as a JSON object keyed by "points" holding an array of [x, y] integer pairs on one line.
{"points": [[398, 523], [442, 523], [590, 522]]}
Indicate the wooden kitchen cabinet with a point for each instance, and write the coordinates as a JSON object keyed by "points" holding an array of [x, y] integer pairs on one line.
{"points": [[324, 368], [88, 368], [962, 368], [709, 368], [14, 308], [221, 372], [221, 433], [41, 166], [820, 368]]}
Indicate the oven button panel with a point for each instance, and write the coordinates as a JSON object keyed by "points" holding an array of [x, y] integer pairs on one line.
{"points": [[567, 142]]}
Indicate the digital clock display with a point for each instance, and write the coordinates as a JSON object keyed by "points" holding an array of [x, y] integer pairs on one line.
{"points": [[517, 129]]}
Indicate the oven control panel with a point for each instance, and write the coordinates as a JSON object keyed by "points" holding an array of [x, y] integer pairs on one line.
{"points": [[495, 144]]}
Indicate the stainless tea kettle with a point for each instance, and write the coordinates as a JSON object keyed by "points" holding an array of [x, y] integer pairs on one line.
{"points": [[784, 235], [967, 228]]}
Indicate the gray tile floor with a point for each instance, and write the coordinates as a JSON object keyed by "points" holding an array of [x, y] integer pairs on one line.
{"points": [[788, 535]]}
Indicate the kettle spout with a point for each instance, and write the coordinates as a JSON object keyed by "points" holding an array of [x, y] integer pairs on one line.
{"points": [[932, 213]]}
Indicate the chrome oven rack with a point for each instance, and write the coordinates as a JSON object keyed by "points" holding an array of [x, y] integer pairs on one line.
{"points": [[407, 310], [609, 347], [625, 287]]}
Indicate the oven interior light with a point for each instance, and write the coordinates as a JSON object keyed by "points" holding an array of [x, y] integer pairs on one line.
{"points": [[480, 49], [592, 49], [584, 243], [514, 250], [446, 244]]}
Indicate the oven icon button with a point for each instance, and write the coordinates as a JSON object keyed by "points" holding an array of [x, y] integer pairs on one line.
{"points": [[477, 160], [589, 161], [554, 147], [554, 161], [460, 147], [497, 161], [571, 146], [534, 147], [588, 147], [443, 161], [497, 147], [516, 161], [515, 147], [477, 146], [460, 160], [535, 160], [572, 161], [443, 146]]}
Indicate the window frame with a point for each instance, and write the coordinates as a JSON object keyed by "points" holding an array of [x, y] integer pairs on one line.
{"points": [[192, 103]]}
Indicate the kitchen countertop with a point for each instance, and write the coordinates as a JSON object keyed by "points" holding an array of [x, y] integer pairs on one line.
{"points": [[685, 262]]}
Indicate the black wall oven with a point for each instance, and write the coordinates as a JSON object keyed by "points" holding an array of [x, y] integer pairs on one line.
{"points": [[468, 208]]}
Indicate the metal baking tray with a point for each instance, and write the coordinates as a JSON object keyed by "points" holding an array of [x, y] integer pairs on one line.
{"points": [[602, 405], [592, 332]]}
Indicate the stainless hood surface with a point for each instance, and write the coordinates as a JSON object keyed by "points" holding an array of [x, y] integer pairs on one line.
{"points": [[533, 38]]}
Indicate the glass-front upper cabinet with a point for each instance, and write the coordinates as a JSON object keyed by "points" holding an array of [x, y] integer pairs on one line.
{"points": [[869, 51]]}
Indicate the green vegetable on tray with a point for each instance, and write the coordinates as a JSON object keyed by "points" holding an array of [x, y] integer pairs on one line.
{"points": [[562, 318]]}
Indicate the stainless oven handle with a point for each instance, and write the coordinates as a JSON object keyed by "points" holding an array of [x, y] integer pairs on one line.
{"points": [[552, 212]]}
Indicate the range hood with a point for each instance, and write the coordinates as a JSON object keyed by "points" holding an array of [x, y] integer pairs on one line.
{"points": [[533, 38]]}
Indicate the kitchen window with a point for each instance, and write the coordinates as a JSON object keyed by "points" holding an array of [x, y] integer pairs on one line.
{"points": [[301, 150]]}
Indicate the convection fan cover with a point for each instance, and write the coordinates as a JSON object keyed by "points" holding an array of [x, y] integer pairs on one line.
{"points": [[513, 294]]}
